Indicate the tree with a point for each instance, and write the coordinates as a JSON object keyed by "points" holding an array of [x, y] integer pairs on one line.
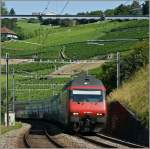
{"points": [[98, 13], [135, 8], [80, 13], [145, 8], [33, 20], [3, 9], [12, 12], [40, 19], [109, 12], [9, 23], [122, 10], [67, 23]]}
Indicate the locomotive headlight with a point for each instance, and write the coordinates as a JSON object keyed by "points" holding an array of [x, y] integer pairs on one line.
{"points": [[75, 113], [100, 114], [85, 83]]}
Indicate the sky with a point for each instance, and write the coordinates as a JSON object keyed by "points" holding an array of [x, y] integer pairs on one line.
{"points": [[73, 6]]}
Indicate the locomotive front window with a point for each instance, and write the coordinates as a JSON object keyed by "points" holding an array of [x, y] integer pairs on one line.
{"points": [[86, 96]]}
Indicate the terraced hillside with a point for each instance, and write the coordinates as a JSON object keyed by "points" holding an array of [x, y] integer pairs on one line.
{"points": [[48, 41]]}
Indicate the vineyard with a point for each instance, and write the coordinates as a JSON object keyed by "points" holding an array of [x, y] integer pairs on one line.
{"points": [[37, 87], [48, 41], [32, 80]]}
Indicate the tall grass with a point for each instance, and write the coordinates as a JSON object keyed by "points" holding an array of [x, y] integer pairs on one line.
{"points": [[134, 94], [6, 129]]}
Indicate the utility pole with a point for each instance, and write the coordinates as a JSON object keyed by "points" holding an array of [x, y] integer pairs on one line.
{"points": [[53, 89], [87, 72], [7, 121], [118, 70], [13, 88], [29, 94], [55, 67]]}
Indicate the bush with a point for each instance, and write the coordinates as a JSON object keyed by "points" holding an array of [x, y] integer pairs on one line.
{"points": [[32, 20], [129, 64]]}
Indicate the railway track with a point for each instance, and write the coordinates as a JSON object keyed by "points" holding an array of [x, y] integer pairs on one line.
{"points": [[118, 141], [101, 140], [96, 142], [40, 139], [46, 135]]}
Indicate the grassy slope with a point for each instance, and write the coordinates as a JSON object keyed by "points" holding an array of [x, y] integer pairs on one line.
{"points": [[78, 33], [65, 35], [132, 29], [25, 82], [51, 39], [6, 129], [91, 31], [134, 94], [29, 29], [38, 68]]}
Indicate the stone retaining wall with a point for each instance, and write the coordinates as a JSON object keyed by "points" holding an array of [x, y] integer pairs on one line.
{"points": [[123, 124]]}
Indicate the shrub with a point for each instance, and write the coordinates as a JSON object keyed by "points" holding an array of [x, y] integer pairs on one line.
{"points": [[129, 64]]}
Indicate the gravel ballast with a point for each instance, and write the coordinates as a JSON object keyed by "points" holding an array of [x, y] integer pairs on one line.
{"points": [[14, 138]]}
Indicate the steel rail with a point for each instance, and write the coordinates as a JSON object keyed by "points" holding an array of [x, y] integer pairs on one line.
{"points": [[52, 140], [25, 138], [102, 144], [121, 142], [28, 143]]}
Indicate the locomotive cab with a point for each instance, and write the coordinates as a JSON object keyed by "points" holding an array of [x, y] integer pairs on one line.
{"points": [[87, 105]]}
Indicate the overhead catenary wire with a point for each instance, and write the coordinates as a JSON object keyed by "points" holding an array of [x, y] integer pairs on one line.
{"points": [[42, 41], [46, 7], [62, 10]]}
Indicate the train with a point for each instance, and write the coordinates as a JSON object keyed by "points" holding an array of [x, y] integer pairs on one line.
{"points": [[81, 105]]}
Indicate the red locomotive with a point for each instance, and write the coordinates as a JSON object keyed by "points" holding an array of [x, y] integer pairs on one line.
{"points": [[81, 105]]}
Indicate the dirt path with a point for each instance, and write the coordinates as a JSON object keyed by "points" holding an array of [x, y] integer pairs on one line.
{"points": [[16, 61], [71, 69]]}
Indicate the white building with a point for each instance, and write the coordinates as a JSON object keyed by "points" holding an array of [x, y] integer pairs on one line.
{"points": [[7, 34], [44, 13], [50, 13]]}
